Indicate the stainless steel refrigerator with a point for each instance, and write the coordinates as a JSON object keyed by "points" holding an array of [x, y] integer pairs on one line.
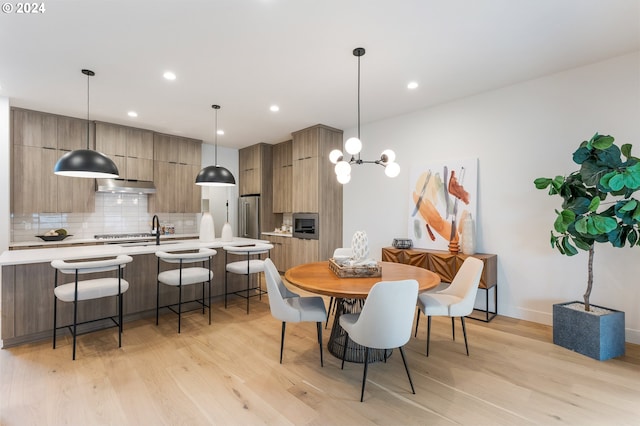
{"points": [[249, 216]]}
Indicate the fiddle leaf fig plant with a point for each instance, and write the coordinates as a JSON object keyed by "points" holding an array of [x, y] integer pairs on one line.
{"points": [[606, 170]]}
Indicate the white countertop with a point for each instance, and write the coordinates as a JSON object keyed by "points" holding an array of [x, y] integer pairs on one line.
{"points": [[41, 255], [72, 240], [277, 234]]}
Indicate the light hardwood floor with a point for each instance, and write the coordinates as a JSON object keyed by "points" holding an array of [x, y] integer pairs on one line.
{"points": [[228, 373]]}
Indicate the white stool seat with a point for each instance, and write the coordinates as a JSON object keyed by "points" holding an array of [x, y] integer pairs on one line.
{"points": [[189, 276], [242, 267], [91, 289]]}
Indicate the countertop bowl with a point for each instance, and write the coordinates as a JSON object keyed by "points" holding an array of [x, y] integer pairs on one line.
{"points": [[53, 237]]}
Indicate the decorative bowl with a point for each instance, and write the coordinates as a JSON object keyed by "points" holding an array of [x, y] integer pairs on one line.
{"points": [[53, 237]]}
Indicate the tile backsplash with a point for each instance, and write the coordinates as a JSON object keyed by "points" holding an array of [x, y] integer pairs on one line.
{"points": [[114, 214]]}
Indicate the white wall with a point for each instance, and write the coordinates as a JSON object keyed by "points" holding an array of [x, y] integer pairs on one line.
{"points": [[218, 196], [5, 171], [518, 133]]}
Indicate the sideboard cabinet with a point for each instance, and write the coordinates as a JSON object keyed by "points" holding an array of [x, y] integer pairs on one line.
{"points": [[446, 265]]}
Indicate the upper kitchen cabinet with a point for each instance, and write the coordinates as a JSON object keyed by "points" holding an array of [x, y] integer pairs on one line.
{"points": [[256, 177], [283, 177], [177, 161], [130, 148], [38, 141], [315, 187]]}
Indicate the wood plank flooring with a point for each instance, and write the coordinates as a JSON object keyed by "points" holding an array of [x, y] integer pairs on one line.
{"points": [[228, 374]]}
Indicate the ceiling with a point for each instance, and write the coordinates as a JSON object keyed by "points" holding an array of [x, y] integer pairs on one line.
{"points": [[249, 54]]}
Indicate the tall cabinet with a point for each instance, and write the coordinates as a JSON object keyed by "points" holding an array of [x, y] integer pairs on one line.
{"points": [[130, 148], [316, 190], [283, 177], [255, 178], [38, 140], [177, 162]]}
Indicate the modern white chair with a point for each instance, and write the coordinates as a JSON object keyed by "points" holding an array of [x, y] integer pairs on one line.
{"points": [[288, 306], [184, 276], [384, 323], [457, 300], [253, 264], [96, 288], [337, 253]]}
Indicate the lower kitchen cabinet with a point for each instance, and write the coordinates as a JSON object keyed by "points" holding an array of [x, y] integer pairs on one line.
{"points": [[304, 251], [281, 252]]}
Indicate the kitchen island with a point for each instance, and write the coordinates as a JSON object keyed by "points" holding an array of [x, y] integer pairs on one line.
{"points": [[27, 285]]}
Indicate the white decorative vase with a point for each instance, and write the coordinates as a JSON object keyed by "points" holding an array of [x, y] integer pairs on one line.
{"points": [[468, 244], [227, 233], [207, 231], [360, 246]]}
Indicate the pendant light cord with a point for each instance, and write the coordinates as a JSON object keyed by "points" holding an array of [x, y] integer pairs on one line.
{"points": [[88, 131], [359, 100], [216, 108]]}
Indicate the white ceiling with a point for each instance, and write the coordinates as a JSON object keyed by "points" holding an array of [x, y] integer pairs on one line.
{"points": [[248, 54]]}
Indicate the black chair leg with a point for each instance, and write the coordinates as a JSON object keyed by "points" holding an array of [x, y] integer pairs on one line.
{"points": [[453, 328], [248, 285], [344, 349], [428, 332], [209, 301], [364, 375], [284, 325], [225, 287], [75, 321], [464, 332], [417, 322], [406, 367], [319, 326], [157, 301], [179, 307], [120, 320], [55, 319]]}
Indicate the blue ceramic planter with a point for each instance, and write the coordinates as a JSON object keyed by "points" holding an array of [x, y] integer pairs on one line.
{"points": [[599, 337]]}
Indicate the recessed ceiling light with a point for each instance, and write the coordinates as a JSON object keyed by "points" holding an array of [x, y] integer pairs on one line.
{"points": [[132, 114], [412, 85], [220, 132], [169, 75], [274, 108]]}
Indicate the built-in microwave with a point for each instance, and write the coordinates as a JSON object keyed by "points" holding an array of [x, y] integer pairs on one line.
{"points": [[305, 225]]}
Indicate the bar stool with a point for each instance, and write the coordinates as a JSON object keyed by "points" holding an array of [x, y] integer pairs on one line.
{"points": [[96, 288], [182, 276], [252, 265]]}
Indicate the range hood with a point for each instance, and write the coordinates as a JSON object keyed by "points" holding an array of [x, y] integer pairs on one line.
{"points": [[124, 186]]}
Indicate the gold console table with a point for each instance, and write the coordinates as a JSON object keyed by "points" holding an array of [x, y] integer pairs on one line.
{"points": [[446, 265]]}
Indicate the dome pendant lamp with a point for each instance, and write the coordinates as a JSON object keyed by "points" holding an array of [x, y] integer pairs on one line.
{"points": [[215, 175], [353, 146], [86, 163]]}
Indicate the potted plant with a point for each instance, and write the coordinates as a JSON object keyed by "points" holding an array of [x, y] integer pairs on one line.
{"points": [[586, 219]]}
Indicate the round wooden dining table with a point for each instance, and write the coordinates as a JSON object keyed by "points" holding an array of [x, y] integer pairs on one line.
{"points": [[316, 277]]}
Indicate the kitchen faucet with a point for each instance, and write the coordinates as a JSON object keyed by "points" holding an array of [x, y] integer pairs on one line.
{"points": [[155, 228]]}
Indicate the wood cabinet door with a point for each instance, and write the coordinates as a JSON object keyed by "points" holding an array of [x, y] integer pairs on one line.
{"points": [[26, 184], [305, 185], [282, 177], [72, 133], [137, 169], [304, 251], [139, 143], [32, 128], [111, 139]]}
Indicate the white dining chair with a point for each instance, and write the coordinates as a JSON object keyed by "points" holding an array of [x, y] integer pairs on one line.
{"points": [[288, 306], [79, 290], [457, 300], [185, 276], [384, 322]]}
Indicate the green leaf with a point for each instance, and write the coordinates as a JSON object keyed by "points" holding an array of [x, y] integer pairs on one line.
{"points": [[542, 183], [636, 214], [581, 244], [626, 150], [592, 172], [594, 204], [565, 217], [582, 154], [632, 237], [569, 249], [581, 225], [616, 182], [579, 205], [603, 225], [557, 182], [629, 205], [602, 141]]}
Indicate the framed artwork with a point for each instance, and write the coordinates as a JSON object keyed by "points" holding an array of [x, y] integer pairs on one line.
{"points": [[441, 195]]}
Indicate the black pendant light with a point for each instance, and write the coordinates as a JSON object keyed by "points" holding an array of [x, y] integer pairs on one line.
{"points": [[215, 175], [86, 163]]}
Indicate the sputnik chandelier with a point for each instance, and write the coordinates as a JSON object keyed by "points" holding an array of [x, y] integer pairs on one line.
{"points": [[353, 146]]}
